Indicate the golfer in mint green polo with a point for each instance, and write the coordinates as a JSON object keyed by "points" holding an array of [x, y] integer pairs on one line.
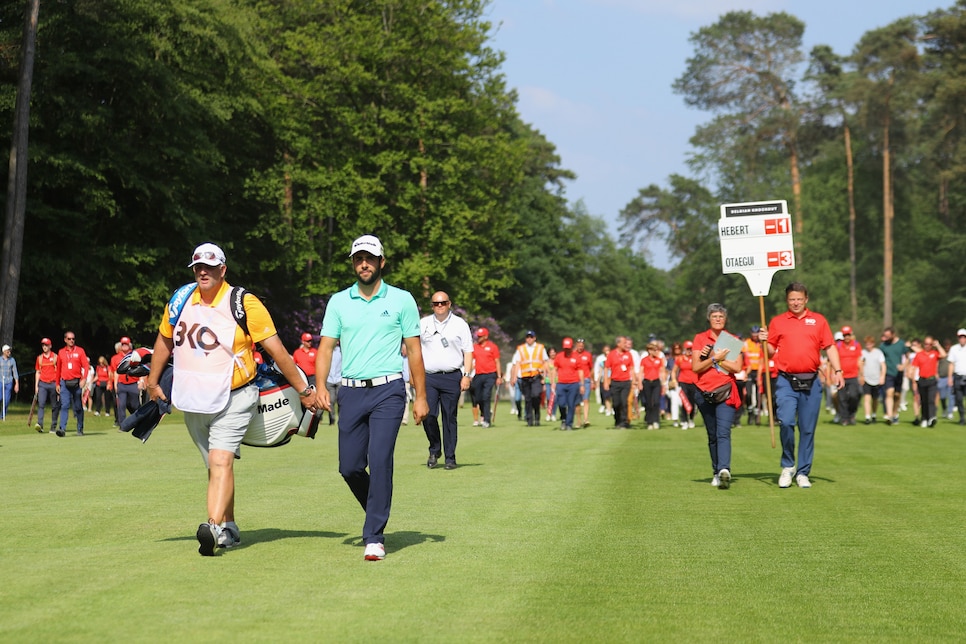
{"points": [[371, 320]]}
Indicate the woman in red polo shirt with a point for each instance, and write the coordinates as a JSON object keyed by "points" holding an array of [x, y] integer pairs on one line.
{"points": [[683, 374], [927, 361], [719, 400]]}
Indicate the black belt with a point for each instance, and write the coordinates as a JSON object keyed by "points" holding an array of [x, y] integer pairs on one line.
{"points": [[444, 373]]}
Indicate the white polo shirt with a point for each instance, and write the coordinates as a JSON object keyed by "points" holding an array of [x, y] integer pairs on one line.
{"points": [[445, 343]]}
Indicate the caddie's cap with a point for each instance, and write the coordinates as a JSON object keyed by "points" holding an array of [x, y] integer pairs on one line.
{"points": [[961, 332], [125, 340], [482, 332], [846, 330], [306, 337], [567, 343], [531, 334], [46, 341], [6, 347], [688, 344], [207, 254], [368, 243]]}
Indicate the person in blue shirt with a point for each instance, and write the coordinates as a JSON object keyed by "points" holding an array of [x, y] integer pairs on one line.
{"points": [[370, 320], [9, 378]]}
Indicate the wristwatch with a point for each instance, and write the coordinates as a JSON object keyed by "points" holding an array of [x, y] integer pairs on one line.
{"points": [[307, 391]]}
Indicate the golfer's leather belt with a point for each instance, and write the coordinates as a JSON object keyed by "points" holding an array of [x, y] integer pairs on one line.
{"points": [[371, 382]]}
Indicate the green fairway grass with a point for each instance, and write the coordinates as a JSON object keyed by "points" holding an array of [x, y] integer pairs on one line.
{"points": [[596, 535]]}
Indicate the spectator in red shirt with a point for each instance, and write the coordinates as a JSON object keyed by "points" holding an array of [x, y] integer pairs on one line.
{"points": [[586, 360], [719, 400], [850, 353], [45, 384], [927, 361], [653, 376], [486, 366], [126, 390], [304, 358], [796, 339], [570, 383], [683, 374], [72, 366], [618, 378]]}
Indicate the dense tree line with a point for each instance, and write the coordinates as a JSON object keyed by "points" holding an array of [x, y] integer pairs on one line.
{"points": [[283, 129]]}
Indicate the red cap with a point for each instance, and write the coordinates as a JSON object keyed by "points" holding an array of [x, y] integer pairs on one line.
{"points": [[688, 344], [567, 343], [306, 337], [846, 330], [46, 341], [125, 340], [482, 332]]}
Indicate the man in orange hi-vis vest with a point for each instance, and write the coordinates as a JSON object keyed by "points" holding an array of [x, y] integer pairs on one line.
{"points": [[530, 366], [752, 351]]}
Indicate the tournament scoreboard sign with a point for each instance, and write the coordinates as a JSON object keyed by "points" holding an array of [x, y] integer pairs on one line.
{"points": [[756, 240]]}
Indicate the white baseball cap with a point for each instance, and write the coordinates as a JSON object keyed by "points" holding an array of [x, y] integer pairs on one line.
{"points": [[6, 347], [367, 243], [838, 335], [961, 332], [207, 254]]}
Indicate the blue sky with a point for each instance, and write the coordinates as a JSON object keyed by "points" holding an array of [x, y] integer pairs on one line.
{"points": [[594, 76]]}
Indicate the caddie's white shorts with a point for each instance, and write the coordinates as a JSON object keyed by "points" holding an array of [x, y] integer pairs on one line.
{"points": [[224, 430]]}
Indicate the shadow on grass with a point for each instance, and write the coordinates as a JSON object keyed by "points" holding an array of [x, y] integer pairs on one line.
{"points": [[768, 478], [265, 535], [401, 539]]}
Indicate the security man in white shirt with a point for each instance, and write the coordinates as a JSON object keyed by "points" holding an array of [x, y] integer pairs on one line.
{"points": [[957, 373], [448, 357]]}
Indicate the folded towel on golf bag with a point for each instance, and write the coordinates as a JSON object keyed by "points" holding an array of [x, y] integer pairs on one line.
{"points": [[146, 418]]}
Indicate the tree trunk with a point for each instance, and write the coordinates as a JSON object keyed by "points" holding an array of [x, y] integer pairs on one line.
{"points": [[887, 217], [17, 181], [853, 297], [797, 202]]}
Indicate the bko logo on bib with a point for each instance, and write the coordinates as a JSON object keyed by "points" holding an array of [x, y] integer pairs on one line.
{"points": [[198, 337]]}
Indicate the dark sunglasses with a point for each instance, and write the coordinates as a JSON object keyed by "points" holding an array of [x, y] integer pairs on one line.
{"points": [[443, 303]]}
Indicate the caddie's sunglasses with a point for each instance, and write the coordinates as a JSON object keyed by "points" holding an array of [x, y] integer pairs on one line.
{"points": [[71, 338], [441, 303], [205, 255]]}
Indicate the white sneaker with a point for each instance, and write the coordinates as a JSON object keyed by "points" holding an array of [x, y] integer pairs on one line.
{"points": [[924, 423], [724, 476], [601, 410], [375, 552], [803, 481], [484, 424], [785, 480], [230, 535], [715, 481], [690, 424], [476, 423]]}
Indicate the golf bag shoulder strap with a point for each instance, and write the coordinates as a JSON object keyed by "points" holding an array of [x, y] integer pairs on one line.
{"points": [[183, 294]]}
